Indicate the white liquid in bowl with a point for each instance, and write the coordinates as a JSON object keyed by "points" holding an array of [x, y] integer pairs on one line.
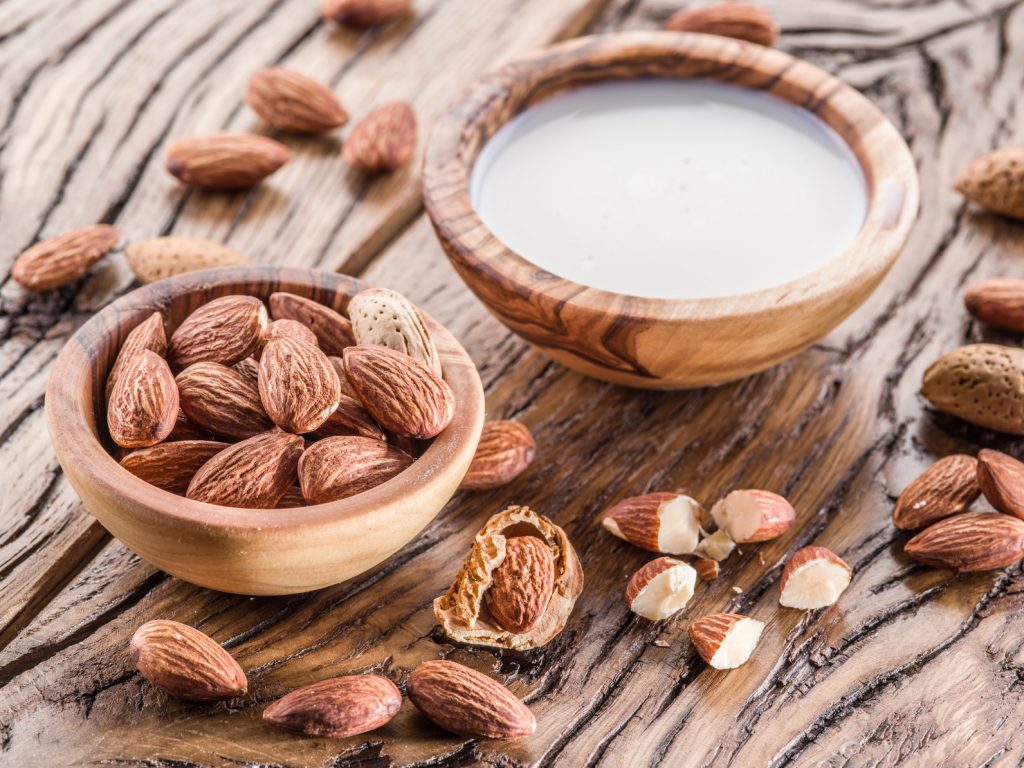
{"points": [[669, 188]]}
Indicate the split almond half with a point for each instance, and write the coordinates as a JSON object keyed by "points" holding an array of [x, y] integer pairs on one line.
{"points": [[750, 516], [725, 640], [661, 588], [814, 577], [717, 546], [657, 522], [947, 487]]}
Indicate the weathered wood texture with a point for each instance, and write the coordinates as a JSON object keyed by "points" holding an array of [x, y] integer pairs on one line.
{"points": [[914, 666]]}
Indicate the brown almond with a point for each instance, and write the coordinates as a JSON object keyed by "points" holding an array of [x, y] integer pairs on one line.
{"points": [[222, 400], [725, 640], [351, 418], [291, 329], [225, 160], [185, 662], [163, 257], [383, 140], [298, 385], [661, 588], [387, 318], [186, 430], [738, 20], [468, 703], [249, 367], [337, 708], [149, 334], [657, 522], [338, 467], [522, 585], [707, 569], [292, 101], [750, 516], [400, 393], [64, 258], [996, 181], [814, 577], [333, 331], [1001, 479], [292, 499], [143, 405], [225, 330], [363, 13], [947, 487], [998, 302], [505, 450], [973, 541], [171, 466], [254, 473], [953, 383]]}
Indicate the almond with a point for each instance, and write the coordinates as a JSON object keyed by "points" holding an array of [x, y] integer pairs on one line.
{"points": [[254, 473], [400, 393], [292, 329], [998, 302], [505, 450], [171, 466], [814, 577], [64, 258], [338, 467], [522, 585], [185, 429], [292, 101], [467, 703], [973, 541], [739, 20], [725, 640], [225, 160], [298, 385], [250, 368], [947, 487], [1001, 479], [333, 332], [185, 662], [717, 546], [383, 140], [337, 708], [163, 257], [149, 334], [980, 383], [707, 569], [661, 588], [657, 522], [225, 330], [222, 400], [144, 402], [350, 418], [387, 318], [363, 13], [292, 499], [749, 516], [996, 181]]}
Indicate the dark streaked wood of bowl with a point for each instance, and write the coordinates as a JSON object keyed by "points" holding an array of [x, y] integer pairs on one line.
{"points": [[659, 343], [246, 551]]}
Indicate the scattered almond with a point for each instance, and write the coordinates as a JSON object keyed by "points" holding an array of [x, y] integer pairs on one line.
{"points": [[953, 383], [222, 400], [363, 13], [973, 541], [996, 181], [505, 450], [298, 385], [185, 662], [338, 467], [333, 332], [657, 522], [292, 101], [225, 330], [387, 318], [225, 160], [171, 466], [814, 577], [739, 20], [1001, 479], [725, 640], [998, 302], [163, 257], [249, 367], [522, 585], [751, 516], [383, 140], [717, 546], [143, 405], [707, 569], [149, 334], [64, 258], [947, 487], [661, 588], [337, 708], [254, 473]]}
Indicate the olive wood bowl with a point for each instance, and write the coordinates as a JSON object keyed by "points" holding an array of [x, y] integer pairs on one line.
{"points": [[247, 551], [666, 343]]}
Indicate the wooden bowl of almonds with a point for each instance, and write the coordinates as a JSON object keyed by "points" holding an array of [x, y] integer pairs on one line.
{"points": [[264, 430]]}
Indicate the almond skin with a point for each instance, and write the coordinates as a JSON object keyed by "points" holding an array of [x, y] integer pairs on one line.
{"points": [[661, 588], [292, 101], [254, 473], [952, 384], [973, 541], [64, 258], [363, 13], [338, 467], [772, 514], [1001, 479], [388, 319], [225, 160], [222, 400], [298, 385], [738, 20], [467, 703], [350, 418], [998, 302], [185, 662], [333, 332], [163, 257], [382, 141], [337, 708], [505, 450], [400, 393], [947, 487], [996, 181], [707, 569], [522, 585], [171, 466], [144, 402], [225, 330], [657, 522], [819, 572], [249, 367], [292, 329], [149, 334], [709, 633]]}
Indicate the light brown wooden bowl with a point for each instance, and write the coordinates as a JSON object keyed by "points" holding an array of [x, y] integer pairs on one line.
{"points": [[246, 551], [666, 343]]}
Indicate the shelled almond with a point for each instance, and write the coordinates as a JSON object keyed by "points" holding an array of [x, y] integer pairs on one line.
{"points": [[64, 258], [292, 101], [337, 708], [185, 662], [505, 450]]}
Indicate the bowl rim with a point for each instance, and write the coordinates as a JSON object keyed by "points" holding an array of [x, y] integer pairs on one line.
{"points": [[461, 133], [75, 427]]}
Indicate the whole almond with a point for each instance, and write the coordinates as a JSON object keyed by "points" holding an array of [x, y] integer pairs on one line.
{"points": [[171, 466], [224, 331], [222, 400], [333, 332], [522, 585], [292, 329], [149, 334], [249, 367], [292, 101], [998, 302], [996, 181], [383, 140], [337, 708], [947, 487], [468, 703], [1001, 478], [387, 318], [338, 467], [186, 430], [973, 541], [363, 13], [980, 383], [64, 258], [298, 385], [350, 418], [162, 257], [739, 20], [505, 450], [400, 393], [185, 662], [225, 160], [254, 473], [143, 405]]}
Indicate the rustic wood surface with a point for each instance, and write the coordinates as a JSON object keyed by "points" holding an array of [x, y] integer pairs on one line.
{"points": [[914, 666]]}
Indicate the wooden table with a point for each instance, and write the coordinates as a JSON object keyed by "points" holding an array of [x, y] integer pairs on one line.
{"points": [[913, 665]]}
